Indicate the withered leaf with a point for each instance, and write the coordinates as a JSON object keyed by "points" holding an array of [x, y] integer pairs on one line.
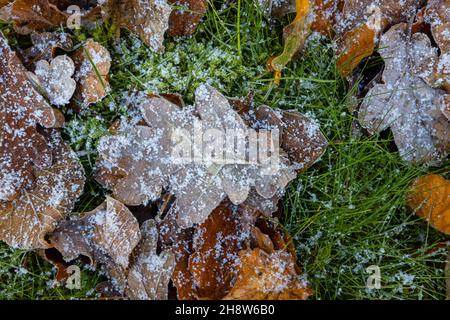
{"points": [[264, 276], [36, 15], [294, 36], [404, 102], [92, 62], [216, 246], [26, 219], [44, 47], [437, 68], [149, 274], [55, 78], [183, 22], [430, 198], [22, 109], [106, 235], [138, 164], [148, 19]]}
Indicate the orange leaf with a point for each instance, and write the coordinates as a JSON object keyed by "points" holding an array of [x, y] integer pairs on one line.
{"points": [[430, 196]]}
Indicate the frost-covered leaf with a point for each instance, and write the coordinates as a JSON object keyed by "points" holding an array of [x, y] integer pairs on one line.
{"points": [[25, 220], [149, 274], [107, 235], [216, 245], [44, 47], [149, 19], [183, 22], [22, 109], [92, 63], [268, 276], [55, 78], [436, 69], [138, 164], [404, 102], [36, 15], [430, 198]]}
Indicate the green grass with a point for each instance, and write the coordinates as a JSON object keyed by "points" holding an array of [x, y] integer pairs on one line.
{"points": [[345, 213]]}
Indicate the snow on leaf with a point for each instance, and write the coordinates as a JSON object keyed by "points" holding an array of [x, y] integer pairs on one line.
{"points": [[267, 276], [148, 19], [141, 162], [216, 244], [150, 272], [183, 22], [106, 235], [44, 47], [55, 79], [404, 102], [430, 198], [437, 15], [22, 109], [36, 15], [92, 62], [25, 220]]}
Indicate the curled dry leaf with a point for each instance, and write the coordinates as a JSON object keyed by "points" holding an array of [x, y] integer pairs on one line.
{"points": [[404, 102], [430, 196], [25, 220], [138, 165], [264, 276], [44, 47], [22, 109], [150, 272], [92, 62], [55, 79], [149, 19], [106, 235], [183, 22], [294, 36]]}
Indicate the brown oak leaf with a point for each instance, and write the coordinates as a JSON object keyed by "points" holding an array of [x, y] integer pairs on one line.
{"points": [[107, 235], [150, 272], [22, 109], [148, 19], [44, 47], [92, 63], [183, 22], [138, 164], [264, 276], [25, 220]]}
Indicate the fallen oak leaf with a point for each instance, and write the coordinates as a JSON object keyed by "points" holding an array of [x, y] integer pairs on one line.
{"points": [[430, 198], [264, 276], [26, 220], [92, 63], [55, 78], [22, 109], [404, 102], [216, 245], [183, 22], [35, 15], [139, 164], [149, 274], [148, 19], [44, 47], [107, 235], [437, 16]]}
